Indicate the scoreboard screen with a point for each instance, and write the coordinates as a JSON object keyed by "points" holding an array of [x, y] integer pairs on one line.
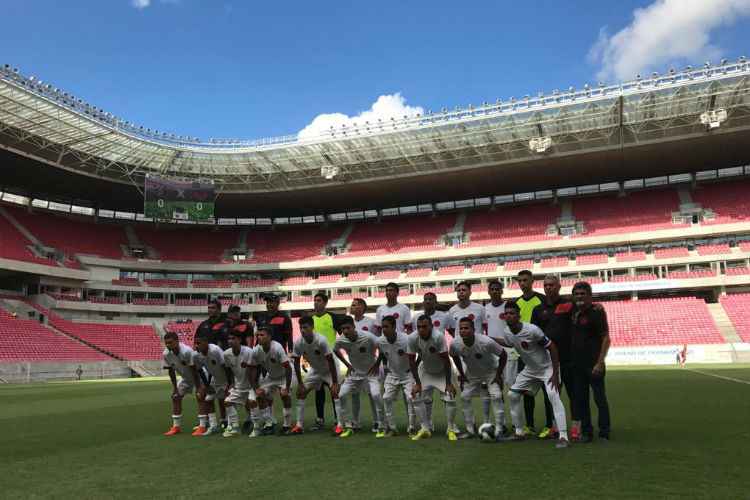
{"points": [[178, 199]]}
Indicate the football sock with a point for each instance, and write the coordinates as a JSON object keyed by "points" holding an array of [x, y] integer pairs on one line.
{"points": [[177, 420]]}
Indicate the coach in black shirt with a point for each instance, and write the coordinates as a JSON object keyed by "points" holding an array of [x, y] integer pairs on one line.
{"points": [[553, 316], [215, 327], [276, 321], [589, 346]]}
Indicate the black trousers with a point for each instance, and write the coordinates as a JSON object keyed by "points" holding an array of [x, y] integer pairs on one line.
{"points": [[583, 381], [320, 404], [567, 379]]}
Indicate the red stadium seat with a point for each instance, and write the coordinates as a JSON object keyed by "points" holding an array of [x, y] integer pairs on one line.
{"points": [[737, 307]]}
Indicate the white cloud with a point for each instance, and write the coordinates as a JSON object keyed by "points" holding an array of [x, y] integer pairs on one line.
{"points": [[140, 4], [665, 32], [385, 107]]}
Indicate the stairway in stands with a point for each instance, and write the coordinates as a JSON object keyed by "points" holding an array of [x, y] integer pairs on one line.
{"points": [[726, 328]]}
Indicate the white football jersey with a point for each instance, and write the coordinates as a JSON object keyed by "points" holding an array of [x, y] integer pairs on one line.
{"points": [[396, 353], [480, 359], [182, 362], [432, 351], [314, 352], [273, 360], [361, 351], [494, 318], [238, 363], [213, 362], [473, 311], [531, 344], [366, 325], [439, 320], [400, 311]]}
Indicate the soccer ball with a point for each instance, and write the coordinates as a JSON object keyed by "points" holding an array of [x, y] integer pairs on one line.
{"points": [[487, 432]]}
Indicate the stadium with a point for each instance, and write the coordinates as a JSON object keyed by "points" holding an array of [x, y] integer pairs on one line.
{"points": [[640, 189]]}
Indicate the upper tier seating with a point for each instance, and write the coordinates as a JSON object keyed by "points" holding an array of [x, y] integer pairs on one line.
{"points": [[149, 302], [517, 265], [487, 267], [630, 256], [107, 300], [73, 236], [398, 235], [387, 275], [636, 212], [190, 302], [671, 253], [126, 282], [637, 277], [728, 200], [189, 244], [589, 259], [450, 270], [328, 278], [686, 275], [166, 283], [419, 272], [15, 246], [661, 322], [212, 283], [713, 249], [511, 224], [258, 283], [293, 243], [28, 340], [737, 306], [357, 276], [738, 271], [555, 262]]}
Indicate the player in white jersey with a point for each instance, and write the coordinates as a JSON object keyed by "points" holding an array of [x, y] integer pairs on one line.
{"points": [[439, 318], [465, 308], [323, 372], [480, 362], [400, 312], [210, 357], [239, 359], [542, 368], [360, 351], [271, 357], [435, 371], [402, 376], [364, 325], [179, 359], [494, 314]]}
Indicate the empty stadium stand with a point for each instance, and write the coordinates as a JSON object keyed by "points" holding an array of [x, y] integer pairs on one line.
{"points": [[188, 244], [511, 224], [211, 283], [737, 307], [638, 211], [15, 246], [398, 235], [728, 200]]}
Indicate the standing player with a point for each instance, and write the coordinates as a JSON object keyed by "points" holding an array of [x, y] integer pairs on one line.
{"points": [[484, 361], [210, 357], [215, 327], [323, 371], [238, 358], [434, 371], [179, 358], [541, 367], [325, 324], [364, 325], [402, 314], [393, 347], [278, 322], [527, 302], [236, 323], [553, 317], [465, 308], [429, 308], [271, 357], [360, 349], [494, 318]]}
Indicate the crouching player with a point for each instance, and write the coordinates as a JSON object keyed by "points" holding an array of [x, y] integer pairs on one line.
{"points": [[271, 357], [360, 349], [323, 371], [434, 372], [238, 358], [394, 348], [179, 358], [541, 367], [484, 360], [210, 357]]}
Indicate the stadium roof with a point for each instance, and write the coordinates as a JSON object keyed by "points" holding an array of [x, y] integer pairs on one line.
{"points": [[563, 138]]}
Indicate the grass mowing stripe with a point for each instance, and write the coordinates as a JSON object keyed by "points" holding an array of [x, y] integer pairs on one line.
{"points": [[730, 379]]}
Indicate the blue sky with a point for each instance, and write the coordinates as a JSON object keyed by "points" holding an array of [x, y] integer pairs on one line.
{"points": [[241, 69]]}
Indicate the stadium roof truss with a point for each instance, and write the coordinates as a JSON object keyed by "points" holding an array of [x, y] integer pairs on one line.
{"points": [[48, 124]]}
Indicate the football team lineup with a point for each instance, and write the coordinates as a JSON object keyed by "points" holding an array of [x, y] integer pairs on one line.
{"points": [[560, 343]]}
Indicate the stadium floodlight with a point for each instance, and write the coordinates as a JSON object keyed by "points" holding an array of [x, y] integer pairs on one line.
{"points": [[329, 172], [714, 118], [540, 144]]}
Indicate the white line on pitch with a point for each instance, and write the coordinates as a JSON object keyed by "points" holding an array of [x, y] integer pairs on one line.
{"points": [[739, 381]]}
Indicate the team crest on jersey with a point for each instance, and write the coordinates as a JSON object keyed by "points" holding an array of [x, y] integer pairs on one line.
{"points": [[363, 349], [272, 360], [400, 352], [366, 328], [436, 323], [524, 344], [478, 355], [432, 349], [243, 364], [471, 317], [395, 315], [583, 321]]}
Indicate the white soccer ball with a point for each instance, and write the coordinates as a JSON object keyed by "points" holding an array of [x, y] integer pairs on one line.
{"points": [[487, 432]]}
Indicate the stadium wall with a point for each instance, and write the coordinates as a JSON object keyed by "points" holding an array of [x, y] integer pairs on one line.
{"points": [[43, 372], [666, 354]]}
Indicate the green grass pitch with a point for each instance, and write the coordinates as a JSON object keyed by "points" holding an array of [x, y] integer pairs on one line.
{"points": [[676, 434]]}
